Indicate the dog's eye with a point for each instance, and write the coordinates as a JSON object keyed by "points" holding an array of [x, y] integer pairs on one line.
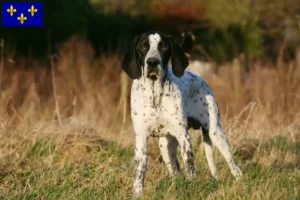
{"points": [[164, 46], [144, 47]]}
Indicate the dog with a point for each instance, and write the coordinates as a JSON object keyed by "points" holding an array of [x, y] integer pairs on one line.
{"points": [[166, 101]]}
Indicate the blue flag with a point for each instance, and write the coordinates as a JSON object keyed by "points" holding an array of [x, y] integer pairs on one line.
{"points": [[21, 14]]}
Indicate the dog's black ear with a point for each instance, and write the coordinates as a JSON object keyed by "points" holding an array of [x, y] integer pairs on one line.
{"points": [[187, 42], [179, 59], [130, 63]]}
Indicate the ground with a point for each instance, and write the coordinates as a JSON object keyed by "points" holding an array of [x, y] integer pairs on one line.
{"points": [[83, 166]]}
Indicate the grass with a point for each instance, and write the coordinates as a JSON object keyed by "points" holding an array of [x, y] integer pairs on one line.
{"points": [[103, 170], [77, 143]]}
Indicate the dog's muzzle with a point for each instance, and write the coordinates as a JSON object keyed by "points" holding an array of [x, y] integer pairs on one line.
{"points": [[153, 71]]}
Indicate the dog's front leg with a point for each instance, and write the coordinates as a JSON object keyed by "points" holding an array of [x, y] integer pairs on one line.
{"points": [[141, 151], [168, 148], [186, 149]]}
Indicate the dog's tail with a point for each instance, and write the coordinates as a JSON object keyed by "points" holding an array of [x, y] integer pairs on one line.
{"points": [[187, 42]]}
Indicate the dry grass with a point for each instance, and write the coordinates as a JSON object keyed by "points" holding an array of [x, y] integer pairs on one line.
{"points": [[76, 143]]}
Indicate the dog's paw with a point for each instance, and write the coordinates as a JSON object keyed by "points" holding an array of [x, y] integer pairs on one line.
{"points": [[137, 190], [136, 194], [216, 177], [237, 173], [191, 174]]}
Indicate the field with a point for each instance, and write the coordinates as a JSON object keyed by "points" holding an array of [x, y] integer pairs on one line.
{"points": [[66, 131]]}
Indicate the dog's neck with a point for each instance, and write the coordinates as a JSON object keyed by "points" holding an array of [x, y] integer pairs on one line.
{"points": [[152, 91]]}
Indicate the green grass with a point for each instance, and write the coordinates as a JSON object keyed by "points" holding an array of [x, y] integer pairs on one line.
{"points": [[102, 170]]}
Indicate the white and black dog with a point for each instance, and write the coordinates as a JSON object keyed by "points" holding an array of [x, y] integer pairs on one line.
{"points": [[166, 101]]}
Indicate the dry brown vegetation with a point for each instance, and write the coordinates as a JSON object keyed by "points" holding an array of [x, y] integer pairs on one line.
{"points": [[92, 91], [82, 103]]}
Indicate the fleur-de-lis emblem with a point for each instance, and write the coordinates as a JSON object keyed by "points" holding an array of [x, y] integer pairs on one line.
{"points": [[22, 18], [11, 10], [32, 10]]}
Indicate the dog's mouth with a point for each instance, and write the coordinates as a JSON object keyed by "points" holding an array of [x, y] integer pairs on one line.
{"points": [[153, 76]]}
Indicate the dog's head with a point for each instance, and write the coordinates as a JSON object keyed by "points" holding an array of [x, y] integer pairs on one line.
{"points": [[149, 55]]}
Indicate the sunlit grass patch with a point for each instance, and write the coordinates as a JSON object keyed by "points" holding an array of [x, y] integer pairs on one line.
{"points": [[108, 174]]}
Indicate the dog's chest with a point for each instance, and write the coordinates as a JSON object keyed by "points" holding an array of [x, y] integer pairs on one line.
{"points": [[157, 112], [158, 122]]}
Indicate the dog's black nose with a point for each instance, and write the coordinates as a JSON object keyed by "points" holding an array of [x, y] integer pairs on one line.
{"points": [[152, 62]]}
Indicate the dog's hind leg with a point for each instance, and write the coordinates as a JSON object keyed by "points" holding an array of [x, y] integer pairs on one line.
{"points": [[209, 153], [218, 137]]}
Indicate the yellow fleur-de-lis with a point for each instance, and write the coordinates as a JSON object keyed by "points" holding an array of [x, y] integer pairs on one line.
{"points": [[22, 18], [32, 10], [11, 10]]}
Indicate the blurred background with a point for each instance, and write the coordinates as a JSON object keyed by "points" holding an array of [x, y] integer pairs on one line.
{"points": [[65, 78]]}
